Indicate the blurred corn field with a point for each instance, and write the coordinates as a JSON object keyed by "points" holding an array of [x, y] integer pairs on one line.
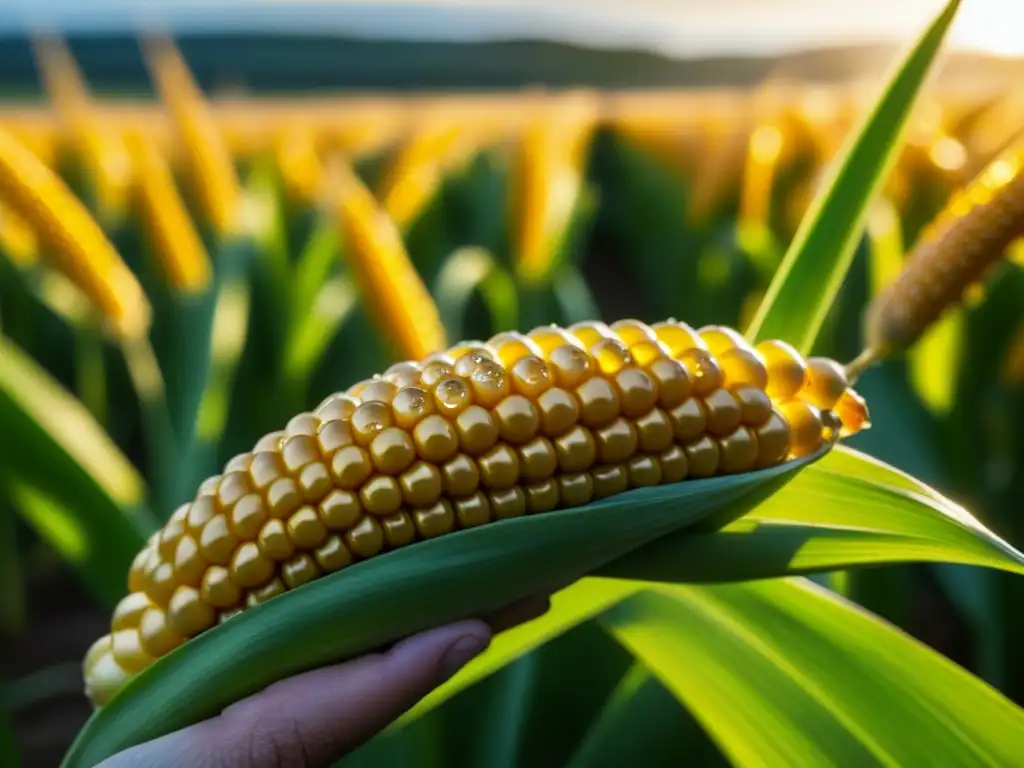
{"points": [[197, 269]]}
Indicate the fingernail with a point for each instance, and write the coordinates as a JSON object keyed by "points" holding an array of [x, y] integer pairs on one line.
{"points": [[460, 654]]}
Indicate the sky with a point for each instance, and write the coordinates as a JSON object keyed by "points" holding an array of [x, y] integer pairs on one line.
{"points": [[674, 27]]}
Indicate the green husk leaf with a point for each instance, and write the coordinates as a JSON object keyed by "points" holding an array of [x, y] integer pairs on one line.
{"points": [[780, 668], [385, 598], [808, 280], [843, 512]]}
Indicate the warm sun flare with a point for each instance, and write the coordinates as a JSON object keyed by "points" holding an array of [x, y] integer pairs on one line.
{"points": [[995, 26]]}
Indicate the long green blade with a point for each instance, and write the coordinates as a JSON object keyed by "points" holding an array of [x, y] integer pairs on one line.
{"points": [[569, 607], [66, 478], [385, 598], [845, 511], [642, 717], [812, 272], [9, 756], [784, 672], [470, 272]]}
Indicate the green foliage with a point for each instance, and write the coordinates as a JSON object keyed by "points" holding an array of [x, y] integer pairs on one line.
{"points": [[823, 248]]}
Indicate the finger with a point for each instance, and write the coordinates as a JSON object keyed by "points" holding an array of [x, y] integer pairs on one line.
{"points": [[519, 612], [315, 718]]}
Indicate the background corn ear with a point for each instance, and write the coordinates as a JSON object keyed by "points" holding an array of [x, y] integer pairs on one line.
{"points": [[417, 170], [548, 179], [211, 169], [399, 300], [71, 239], [297, 158], [17, 239], [97, 145], [175, 240]]}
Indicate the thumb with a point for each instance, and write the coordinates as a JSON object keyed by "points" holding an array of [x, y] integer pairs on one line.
{"points": [[317, 717]]}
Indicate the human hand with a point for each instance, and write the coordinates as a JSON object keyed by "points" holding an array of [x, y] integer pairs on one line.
{"points": [[316, 718]]}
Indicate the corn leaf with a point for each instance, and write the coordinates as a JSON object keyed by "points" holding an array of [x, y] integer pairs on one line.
{"points": [[812, 272], [387, 597], [843, 512], [642, 717], [314, 331], [9, 756], [51, 446], [780, 668], [580, 602], [314, 266], [470, 272], [573, 296], [12, 593]]}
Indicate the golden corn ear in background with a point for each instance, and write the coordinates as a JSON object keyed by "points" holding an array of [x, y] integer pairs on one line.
{"points": [[99, 146], [521, 424], [297, 157], [419, 167], [173, 236], [548, 177], [17, 239], [71, 239], [401, 304], [210, 166]]}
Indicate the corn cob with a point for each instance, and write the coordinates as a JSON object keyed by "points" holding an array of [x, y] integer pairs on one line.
{"points": [[176, 242], [209, 164], [72, 239], [399, 300], [953, 253], [521, 424], [101, 148]]}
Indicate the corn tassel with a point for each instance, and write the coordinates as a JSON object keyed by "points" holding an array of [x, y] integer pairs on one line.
{"points": [[209, 163], [100, 147], [71, 239], [953, 253], [400, 301], [175, 240]]}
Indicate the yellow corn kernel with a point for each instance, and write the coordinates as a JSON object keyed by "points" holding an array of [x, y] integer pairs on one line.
{"points": [[71, 239], [209, 164], [402, 305], [455, 445], [175, 240]]}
